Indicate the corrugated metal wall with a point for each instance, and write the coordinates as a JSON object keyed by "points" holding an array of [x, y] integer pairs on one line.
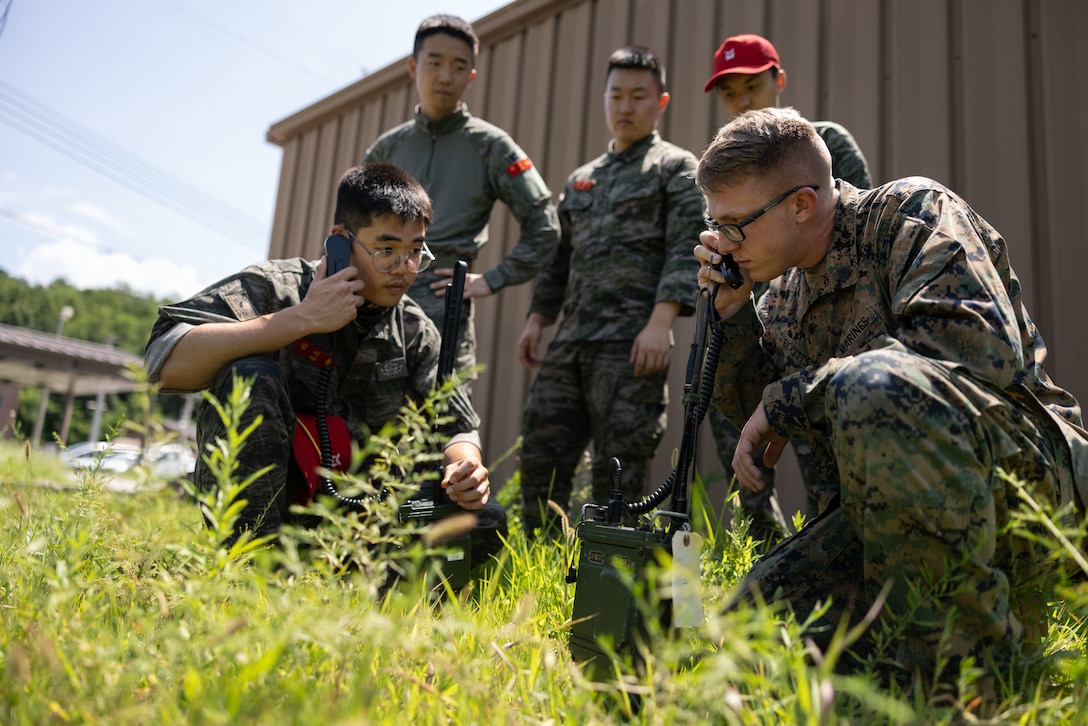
{"points": [[987, 96]]}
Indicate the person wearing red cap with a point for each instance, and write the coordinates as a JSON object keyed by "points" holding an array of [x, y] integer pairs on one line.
{"points": [[749, 76]]}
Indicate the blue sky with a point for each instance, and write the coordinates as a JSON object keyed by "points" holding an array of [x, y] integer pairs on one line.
{"points": [[132, 132]]}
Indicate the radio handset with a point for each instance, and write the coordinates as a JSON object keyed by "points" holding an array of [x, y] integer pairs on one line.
{"points": [[337, 257], [731, 272], [337, 253]]}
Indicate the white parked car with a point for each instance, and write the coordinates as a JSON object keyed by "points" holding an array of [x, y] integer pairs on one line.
{"points": [[172, 461], [166, 461], [86, 453]]}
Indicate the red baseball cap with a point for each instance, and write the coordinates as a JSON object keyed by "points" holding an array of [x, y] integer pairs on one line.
{"points": [[742, 54]]}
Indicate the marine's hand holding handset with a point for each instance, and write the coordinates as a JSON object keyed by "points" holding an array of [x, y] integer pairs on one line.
{"points": [[731, 272], [337, 253]]}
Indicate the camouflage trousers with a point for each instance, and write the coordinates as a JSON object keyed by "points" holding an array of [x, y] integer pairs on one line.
{"points": [[270, 496], [762, 507], [588, 392], [921, 507]]}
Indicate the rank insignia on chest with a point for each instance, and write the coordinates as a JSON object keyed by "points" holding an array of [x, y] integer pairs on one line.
{"points": [[582, 185], [390, 369], [312, 353], [519, 166]]}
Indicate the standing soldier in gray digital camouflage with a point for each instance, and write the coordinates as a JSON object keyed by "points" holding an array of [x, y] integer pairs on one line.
{"points": [[465, 164], [621, 276], [895, 339]]}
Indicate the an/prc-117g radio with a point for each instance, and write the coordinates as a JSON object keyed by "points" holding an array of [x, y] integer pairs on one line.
{"points": [[622, 544]]}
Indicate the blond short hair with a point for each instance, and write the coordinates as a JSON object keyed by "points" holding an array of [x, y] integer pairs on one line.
{"points": [[777, 144]]}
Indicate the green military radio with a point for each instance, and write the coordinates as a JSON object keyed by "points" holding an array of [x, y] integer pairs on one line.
{"points": [[622, 542]]}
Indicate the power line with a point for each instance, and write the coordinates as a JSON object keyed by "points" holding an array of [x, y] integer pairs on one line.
{"points": [[4, 15], [290, 65], [305, 43], [107, 158]]}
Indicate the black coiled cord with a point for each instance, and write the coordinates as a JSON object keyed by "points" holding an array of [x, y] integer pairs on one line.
{"points": [[692, 419], [326, 487]]}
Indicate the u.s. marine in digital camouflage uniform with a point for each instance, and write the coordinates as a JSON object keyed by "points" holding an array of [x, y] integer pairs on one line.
{"points": [[897, 342], [382, 352], [747, 75], [622, 274]]}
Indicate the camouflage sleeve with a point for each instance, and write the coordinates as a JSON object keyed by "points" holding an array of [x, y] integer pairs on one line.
{"points": [[847, 161], [551, 284], [522, 189], [256, 290], [684, 211], [944, 282], [947, 290]]}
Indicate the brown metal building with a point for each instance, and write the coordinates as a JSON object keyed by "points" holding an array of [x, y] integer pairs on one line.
{"points": [[987, 96]]}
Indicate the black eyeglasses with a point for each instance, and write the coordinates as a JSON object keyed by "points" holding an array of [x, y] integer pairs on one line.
{"points": [[735, 232], [386, 259]]}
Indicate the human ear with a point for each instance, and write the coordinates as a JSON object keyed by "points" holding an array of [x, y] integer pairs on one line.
{"points": [[806, 203]]}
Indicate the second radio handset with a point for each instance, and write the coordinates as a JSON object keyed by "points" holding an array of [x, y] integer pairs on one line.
{"points": [[337, 253]]}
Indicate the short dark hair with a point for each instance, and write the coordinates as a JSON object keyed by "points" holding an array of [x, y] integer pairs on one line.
{"points": [[446, 25], [376, 189], [638, 58]]}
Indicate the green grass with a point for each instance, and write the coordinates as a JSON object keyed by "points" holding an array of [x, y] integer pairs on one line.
{"points": [[123, 608]]}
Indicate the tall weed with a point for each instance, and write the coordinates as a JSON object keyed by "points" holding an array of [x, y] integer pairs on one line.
{"points": [[130, 608]]}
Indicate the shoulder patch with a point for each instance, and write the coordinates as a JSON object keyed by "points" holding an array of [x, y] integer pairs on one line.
{"points": [[519, 166], [583, 185]]}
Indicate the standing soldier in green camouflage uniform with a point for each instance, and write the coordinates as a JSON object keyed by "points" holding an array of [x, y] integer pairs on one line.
{"points": [[622, 275], [894, 338], [286, 323], [748, 76], [465, 164]]}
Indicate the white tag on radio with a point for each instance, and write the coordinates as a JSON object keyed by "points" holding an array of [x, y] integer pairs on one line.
{"points": [[687, 601]]}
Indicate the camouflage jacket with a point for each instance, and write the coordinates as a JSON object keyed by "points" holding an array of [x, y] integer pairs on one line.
{"points": [[847, 161], [629, 222], [910, 265], [385, 358], [465, 164]]}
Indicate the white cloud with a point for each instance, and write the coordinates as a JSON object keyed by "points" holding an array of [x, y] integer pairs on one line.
{"points": [[86, 267], [98, 214], [47, 224]]}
